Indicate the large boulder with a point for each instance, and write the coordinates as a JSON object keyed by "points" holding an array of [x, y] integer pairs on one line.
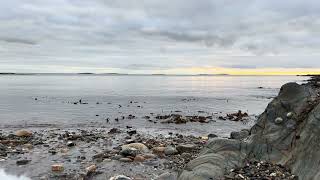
{"points": [[287, 133]]}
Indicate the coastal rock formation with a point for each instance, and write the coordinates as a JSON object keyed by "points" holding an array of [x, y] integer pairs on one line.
{"points": [[286, 133]]}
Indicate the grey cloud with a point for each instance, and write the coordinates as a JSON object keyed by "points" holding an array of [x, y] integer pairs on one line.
{"points": [[150, 34], [19, 41]]}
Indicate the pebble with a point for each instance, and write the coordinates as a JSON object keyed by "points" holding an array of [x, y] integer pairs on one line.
{"points": [[91, 169], [57, 167], [129, 152], [139, 158], [170, 150], [158, 150], [70, 144], [125, 160], [22, 162], [120, 177], [278, 120], [289, 115], [212, 136], [139, 146], [23, 133], [186, 148]]}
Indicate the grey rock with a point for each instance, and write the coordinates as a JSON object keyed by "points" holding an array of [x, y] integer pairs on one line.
{"points": [[23, 162], [167, 176], [186, 148], [212, 136], [129, 152], [240, 135], [170, 150], [293, 142], [125, 160]]}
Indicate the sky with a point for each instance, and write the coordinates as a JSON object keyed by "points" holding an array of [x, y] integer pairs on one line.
{"points": [[160, 36]]}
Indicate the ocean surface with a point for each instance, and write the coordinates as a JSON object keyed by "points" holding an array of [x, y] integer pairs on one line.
{"points": [[41, 101]]}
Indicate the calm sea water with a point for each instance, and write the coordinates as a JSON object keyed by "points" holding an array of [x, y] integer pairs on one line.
{"points": [[54, 107]]}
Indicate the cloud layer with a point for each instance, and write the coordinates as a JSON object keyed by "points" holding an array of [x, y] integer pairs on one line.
{"points": [[153, 35]]}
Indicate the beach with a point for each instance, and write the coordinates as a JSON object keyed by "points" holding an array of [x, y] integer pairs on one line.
{"points": [[82, 121]]}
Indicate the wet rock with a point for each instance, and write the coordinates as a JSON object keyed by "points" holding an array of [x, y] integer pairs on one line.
{"points": [[132, 132], [239, 116], [120, 177], [170, 151], [130, 151], [139, 146], [23, 133], [186, 148], [57, 168], [125, 160], [23, 162], [71, 144], [114, 131], [212, 136]]}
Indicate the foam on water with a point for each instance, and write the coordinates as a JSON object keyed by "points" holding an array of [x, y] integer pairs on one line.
{"points": [[5, 176]]}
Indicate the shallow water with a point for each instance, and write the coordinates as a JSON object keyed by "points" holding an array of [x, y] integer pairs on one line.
{"points": [[215, 95]]}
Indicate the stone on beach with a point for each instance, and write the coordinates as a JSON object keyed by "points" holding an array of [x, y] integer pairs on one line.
{"points": [[139, 146], [57, 168], [23, 133]]}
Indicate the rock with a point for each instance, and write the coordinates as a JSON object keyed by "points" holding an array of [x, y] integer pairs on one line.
{"points": [[91, 169], [23, 133], [167, 176], [120, 177], [139, 158], [114, 131], [158, 150], [28, 146], [205, 138], [132, 132], [3, 150], [139, 146], [57, 168], [23, 162], [186, 148], [149, 156], [125, 160], [130, 151], [289, 115], [117, 157], [278, 120], [295, 147], [212, 136], [71, 144], [170, 150], [240, 135]]}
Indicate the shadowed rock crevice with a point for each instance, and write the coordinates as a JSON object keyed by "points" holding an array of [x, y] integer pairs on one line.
{"points": [[286, 133]]}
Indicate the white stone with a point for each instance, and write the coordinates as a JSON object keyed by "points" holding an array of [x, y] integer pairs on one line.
{"points": [[278, 120]]}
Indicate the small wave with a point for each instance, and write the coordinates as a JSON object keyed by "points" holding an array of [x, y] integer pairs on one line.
{"points": [[5, 176]]}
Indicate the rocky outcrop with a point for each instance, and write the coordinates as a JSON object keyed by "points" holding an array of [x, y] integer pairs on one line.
{"points": [[286, 133]]}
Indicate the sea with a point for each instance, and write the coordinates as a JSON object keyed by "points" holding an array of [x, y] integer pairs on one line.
{"points": [[53, 100]]}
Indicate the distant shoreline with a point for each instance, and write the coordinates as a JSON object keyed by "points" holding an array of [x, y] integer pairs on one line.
{"points": [[124, 74]]}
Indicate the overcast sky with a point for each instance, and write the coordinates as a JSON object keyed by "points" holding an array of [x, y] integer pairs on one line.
{"points": [[155, 36]]}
